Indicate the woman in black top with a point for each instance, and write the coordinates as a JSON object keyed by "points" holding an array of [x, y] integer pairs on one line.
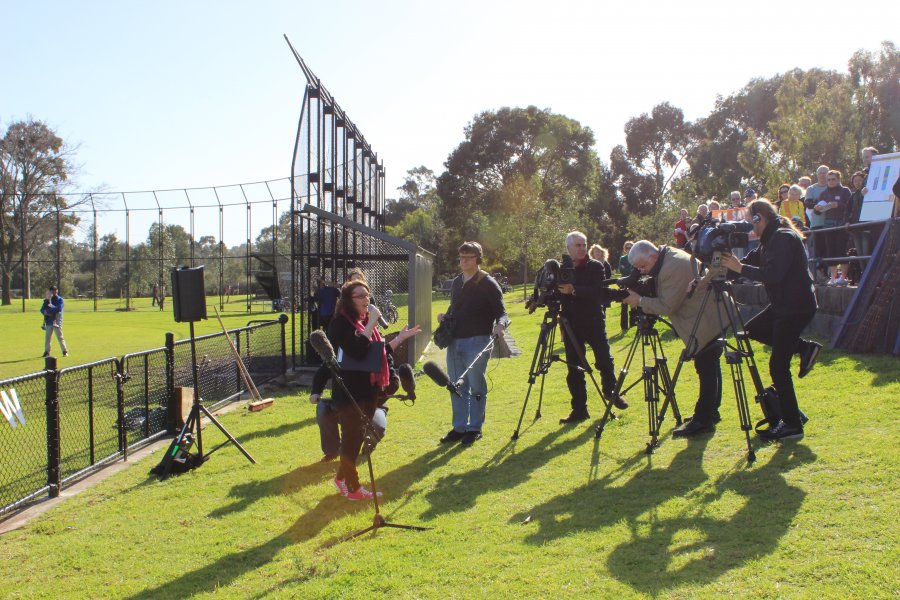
{"points": [[353, 332], [782, 265]]}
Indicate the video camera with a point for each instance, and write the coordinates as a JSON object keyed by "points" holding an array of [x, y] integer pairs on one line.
{"points": [[547, 281], [710, 237]]}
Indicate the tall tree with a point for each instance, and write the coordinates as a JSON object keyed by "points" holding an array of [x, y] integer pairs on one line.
{"points": [[34, 168], [503, 146], [876, 81], [655, 144]]}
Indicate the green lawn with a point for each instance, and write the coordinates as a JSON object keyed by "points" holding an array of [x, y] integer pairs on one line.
{"points": [[553, 514], [106, 333]]}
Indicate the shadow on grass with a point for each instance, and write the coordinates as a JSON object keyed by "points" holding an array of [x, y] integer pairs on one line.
{"points": [[276, 431], [698, 544], [882, 367], [459, 491], [222, 572]]}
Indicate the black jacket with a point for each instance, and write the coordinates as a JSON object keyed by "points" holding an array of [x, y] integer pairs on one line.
{"points": [[585, 307], [475, 305], [344, 336], [782, 265]]}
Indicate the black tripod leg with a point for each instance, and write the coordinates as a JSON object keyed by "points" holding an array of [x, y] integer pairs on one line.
{"points": [[620, 381], [225, 433], [539, 366]]}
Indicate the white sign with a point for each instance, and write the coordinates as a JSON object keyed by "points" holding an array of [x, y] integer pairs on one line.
{"points": [[878, 203], [10, 407]]}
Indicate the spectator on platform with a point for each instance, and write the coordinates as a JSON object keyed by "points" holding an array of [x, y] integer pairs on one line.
{"points": [[681, 229], [832, 205], [702, 215], [749, 196], [714, 205], [804, 182], [782, 195], [861, 239], [736, 199], [793, 206]]}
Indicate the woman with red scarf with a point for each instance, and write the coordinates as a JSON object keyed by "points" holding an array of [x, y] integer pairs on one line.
{"points": [[352, 332]]}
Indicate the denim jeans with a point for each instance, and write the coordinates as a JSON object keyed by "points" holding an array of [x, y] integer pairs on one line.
{"points": [[469, 406], [329, 434]]}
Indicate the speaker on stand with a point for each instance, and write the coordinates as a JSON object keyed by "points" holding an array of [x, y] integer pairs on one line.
{"points": [[189, 305]]}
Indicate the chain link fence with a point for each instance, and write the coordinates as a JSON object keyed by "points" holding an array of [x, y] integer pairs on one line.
{"points": [[60, 425]]}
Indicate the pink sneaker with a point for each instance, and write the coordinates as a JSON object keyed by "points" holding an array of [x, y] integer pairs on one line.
{"points": [[361, 494], [341, 486]]}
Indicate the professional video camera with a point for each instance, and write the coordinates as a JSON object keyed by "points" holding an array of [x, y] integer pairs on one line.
{"points": [[712, 237], [547, 281]]}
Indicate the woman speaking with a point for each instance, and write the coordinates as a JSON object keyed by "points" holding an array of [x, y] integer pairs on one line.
{"points": [[782, 265], [353, 333]]}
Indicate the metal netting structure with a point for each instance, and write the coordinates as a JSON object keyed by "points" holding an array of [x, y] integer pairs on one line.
{"points": [[337, 221]]}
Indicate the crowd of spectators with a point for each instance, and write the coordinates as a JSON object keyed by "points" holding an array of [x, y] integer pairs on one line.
{"points": [[828, 204]]}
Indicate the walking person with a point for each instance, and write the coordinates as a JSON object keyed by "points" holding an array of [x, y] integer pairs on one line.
{"points": [[53, 319]]}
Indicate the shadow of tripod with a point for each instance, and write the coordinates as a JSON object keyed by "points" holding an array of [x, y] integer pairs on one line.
{"points": [[544, 358], [654, 376]]}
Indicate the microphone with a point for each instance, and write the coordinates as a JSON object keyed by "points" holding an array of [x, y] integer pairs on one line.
{"points": [[381, 322], [322, 346], [437, 375], [407, 380]]}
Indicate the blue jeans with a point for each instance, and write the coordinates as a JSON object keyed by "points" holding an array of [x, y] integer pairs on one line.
{"points": [[329, 434], [469, 406]]}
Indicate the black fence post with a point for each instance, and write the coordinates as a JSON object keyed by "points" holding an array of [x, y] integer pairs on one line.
{"points": [[170, 377], [283, 319], [121, 367], [53, 441]]}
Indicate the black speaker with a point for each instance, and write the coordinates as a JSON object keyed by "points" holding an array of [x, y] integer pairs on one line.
{"points": [[188, 294]]}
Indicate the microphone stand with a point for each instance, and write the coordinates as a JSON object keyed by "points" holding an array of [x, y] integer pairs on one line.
{"points": [[462, 376], [378, 521]]}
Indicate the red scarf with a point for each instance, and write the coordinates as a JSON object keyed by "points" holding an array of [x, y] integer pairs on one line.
{"points": [[383, 378]]}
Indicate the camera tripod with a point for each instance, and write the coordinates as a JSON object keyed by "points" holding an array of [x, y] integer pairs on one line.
{"points": [[654, 375], [544, 358], [718, 289]]}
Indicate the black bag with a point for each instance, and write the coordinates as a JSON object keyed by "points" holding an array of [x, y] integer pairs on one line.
{"points": [[443, 335], [771, 408]]}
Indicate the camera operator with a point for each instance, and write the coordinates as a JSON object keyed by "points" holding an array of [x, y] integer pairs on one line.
{"points": [[582, 304], [673, 270], [782, 265]]}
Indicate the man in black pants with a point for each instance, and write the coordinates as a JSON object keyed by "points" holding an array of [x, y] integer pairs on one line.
{"points": [[782, 265], [582, 305]]}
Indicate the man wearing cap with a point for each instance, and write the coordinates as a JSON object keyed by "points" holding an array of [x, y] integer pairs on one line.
{"points": [[53, 318]]}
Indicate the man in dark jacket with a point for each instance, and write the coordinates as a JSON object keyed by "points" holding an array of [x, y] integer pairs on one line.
{"points": [[478, 312], [53, 320], [582, 305]]}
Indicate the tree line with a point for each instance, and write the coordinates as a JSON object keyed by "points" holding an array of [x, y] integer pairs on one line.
{"points": [[522, 177]]}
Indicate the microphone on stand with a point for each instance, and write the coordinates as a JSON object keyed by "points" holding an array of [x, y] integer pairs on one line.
{"points": [[437, 375], [319, 341]]}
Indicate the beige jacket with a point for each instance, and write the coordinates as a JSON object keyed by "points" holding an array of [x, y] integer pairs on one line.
{"points": [[672, 301]]}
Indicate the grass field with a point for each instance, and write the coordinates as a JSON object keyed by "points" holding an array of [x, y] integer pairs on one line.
{"points": [[554, 514], [106, 333]]}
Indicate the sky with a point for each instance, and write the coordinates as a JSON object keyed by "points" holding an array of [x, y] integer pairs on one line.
{"points": [[175, 94]]}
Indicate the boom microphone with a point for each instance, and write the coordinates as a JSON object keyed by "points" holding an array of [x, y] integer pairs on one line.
{"points": [[319, 341], [437, 375], [407, 380]]}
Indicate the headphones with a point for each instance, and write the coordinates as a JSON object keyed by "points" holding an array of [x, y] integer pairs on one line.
{"points": [[756, 218]]}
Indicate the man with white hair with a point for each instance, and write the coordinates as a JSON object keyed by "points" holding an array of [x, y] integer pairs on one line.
{"points": [[673, 270], [583, 306]]}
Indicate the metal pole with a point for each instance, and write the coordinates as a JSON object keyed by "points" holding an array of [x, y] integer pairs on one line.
{"points": [[127, 255], [221, 251], [94, 244]]}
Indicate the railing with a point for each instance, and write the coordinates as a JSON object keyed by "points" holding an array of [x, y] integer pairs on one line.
{"points": [[61, 424]]}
